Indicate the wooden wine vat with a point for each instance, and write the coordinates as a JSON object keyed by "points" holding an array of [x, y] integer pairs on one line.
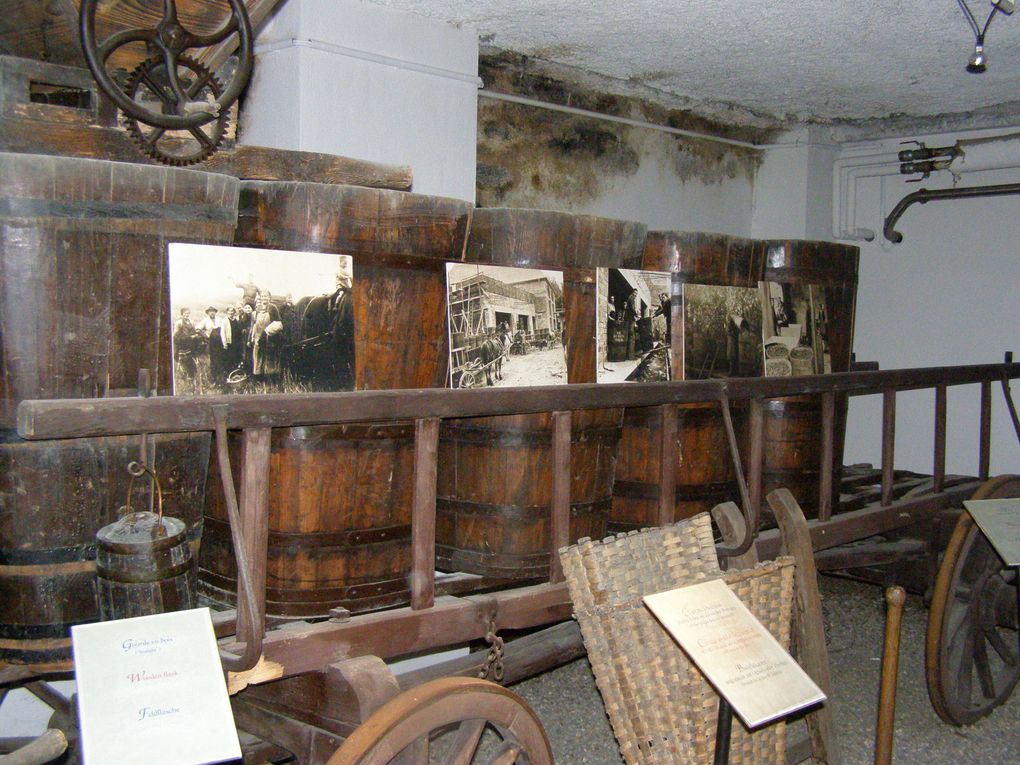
{"points": [[340, 497], [705, 474], [793, 426], [494, 483], [83, 307]]}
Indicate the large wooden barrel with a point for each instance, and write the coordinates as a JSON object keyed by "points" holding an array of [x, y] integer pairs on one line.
{"points": [[494, 483], [83, 307], [705, 474], [793, 425], [340, 496]]}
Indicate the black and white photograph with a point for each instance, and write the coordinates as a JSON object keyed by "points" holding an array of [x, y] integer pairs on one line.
{"points": [[506, 326], [722, 332], [634, 328], [793, 326], [254, 321]]}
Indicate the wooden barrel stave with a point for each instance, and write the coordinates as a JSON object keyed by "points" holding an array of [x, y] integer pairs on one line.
{"points": [[83, 307], [493, 513], [495, 491], [340, 497]]}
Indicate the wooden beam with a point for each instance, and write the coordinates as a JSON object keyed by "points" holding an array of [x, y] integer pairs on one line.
{"points": [[254, 505], [423, 516], [667, 465], [402, 631], [71, 418], [559, 523]]}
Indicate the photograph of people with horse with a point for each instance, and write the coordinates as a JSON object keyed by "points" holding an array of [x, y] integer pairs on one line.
{"points": [[260, 321], [506, 326]]}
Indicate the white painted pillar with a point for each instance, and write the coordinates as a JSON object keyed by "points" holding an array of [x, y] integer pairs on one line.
{"points": [[356, 79]]}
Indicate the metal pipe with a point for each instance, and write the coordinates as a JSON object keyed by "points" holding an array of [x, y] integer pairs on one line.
{"points": [[923, 196]]}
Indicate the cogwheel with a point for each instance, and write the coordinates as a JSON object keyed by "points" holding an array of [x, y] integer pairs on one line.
{"points": [[148, 86]]}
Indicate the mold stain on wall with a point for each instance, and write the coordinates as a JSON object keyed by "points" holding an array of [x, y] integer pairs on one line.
{"points": [[529, 156]]}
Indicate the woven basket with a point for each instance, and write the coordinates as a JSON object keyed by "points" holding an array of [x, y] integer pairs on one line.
{"points": [[661, 707]]}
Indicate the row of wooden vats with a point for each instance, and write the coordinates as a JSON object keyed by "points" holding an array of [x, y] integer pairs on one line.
{"points": [[84, 306]]}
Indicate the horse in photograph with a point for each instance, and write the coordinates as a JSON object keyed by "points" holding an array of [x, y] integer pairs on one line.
{"points": [[490, 354], [324, 356]]}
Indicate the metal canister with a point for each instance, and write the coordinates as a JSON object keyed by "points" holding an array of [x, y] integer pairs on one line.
{"points": [[143, 561]]}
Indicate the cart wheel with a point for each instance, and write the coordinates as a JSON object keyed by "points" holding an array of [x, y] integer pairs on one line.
{"points": [[971, 649], [467, 380], [449, 720]]}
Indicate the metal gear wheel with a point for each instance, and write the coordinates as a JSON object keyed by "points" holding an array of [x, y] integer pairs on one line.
{"points": [[149, 87]]}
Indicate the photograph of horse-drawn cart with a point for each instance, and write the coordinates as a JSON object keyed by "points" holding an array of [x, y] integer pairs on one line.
{"points": [[506, 326], [260, 321]]}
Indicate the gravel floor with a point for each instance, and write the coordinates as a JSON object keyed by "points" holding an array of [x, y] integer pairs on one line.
{"points": [[571, 710]]}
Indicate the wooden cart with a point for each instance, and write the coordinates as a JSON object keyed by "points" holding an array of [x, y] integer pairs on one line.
{"points": [[304, 687]]}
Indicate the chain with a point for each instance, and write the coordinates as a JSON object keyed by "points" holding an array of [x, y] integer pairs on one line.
{"points": [[494, 661]]}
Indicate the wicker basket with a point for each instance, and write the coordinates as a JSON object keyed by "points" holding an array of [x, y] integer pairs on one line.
{"points": [[661, 707]]}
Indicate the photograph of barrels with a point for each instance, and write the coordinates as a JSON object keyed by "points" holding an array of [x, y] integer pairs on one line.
{"points": [[388, 353], [635, 340]]}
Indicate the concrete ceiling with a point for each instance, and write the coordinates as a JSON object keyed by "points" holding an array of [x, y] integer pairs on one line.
{"points": [[872, 66]]}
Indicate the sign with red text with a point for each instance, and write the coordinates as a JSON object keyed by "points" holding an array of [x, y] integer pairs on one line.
{"points": [[151, 690], [735, 652]]}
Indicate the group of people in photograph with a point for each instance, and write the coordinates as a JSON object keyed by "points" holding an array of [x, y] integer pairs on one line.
{"points": [[241, 340]]}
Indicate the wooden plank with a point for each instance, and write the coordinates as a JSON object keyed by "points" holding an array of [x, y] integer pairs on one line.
{"points": [[261, 163], [888, 443], [559, 523], [810, 626], [69, 418], [423, 516], [828, 456], [874, 519], [755, 461], [402, 631], [667, 466], [254, 505]]}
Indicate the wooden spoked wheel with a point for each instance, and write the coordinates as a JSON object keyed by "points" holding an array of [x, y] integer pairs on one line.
{"points": [[452, 720], [972, 657]]}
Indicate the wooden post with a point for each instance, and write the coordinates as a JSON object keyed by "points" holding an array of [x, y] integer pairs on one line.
{"points": [[809, 628], [888, 443], [423, 513], [254, 505], [559, 526], [828, 451], [755, 457], [985, 437], [667, 466], [939, 466], [894, 598]]}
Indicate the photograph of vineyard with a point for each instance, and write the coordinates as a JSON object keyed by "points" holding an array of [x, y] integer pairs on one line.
{"points": [[722, 331]]}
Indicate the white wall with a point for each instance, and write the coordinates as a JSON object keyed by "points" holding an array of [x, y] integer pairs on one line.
{"points": [[663, 199], [945, 296], [359, 80]]}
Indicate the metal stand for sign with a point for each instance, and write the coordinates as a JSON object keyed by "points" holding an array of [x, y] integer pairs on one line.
{"points": [[723, 728]]}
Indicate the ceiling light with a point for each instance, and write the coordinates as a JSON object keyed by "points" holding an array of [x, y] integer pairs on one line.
{"points": [[978, 62]]}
